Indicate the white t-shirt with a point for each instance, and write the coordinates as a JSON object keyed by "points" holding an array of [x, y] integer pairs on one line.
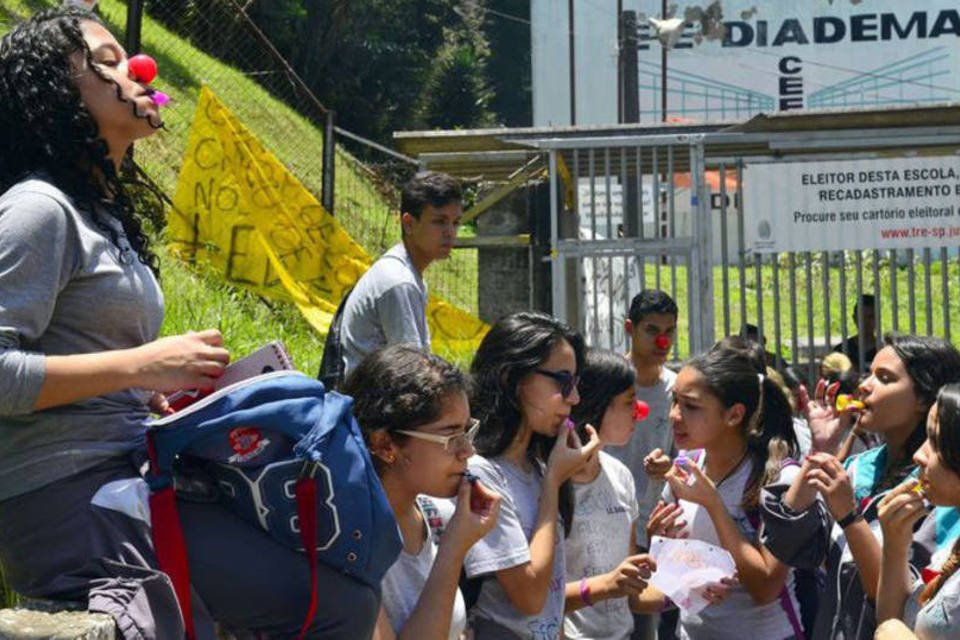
{"points": [[737, 617], [404, 582], [654, 432], [939, 619], [508, 545], [599, 541]]}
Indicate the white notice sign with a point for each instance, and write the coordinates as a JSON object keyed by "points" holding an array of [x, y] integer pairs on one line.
{"points": [[890, 203]]}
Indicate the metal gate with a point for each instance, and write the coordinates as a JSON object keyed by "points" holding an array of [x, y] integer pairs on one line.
{"points": [[667, 211]]}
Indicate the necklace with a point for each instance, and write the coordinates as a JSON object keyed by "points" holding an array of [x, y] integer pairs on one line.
{"points": [[732, 470]]}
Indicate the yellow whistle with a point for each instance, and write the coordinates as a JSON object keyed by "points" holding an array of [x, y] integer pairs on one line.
{"points": [[846, 402]]}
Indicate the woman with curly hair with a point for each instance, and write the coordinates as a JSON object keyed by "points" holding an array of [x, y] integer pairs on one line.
{"points": [[81, 367]]}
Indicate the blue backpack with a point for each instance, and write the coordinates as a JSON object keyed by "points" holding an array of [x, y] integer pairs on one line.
{"points": [[289, 458]]}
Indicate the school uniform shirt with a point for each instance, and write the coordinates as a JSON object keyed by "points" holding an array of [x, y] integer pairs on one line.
{"points": [[737, 617], [652, 433], [507, 545], [939, 618], [599, 541], [404, 582]]}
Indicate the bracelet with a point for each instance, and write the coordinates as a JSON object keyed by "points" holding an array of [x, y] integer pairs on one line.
{"points": [[585, 593], [850, 518], [667, 604]]}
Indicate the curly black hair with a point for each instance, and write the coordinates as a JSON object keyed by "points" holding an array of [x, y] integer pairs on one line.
{"points": [[45, 129]]}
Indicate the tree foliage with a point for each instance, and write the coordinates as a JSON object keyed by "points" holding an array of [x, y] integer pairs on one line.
{"points": [[382, 65]]}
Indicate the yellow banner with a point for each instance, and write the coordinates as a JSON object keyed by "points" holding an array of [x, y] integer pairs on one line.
{"points": [[238, 208]]}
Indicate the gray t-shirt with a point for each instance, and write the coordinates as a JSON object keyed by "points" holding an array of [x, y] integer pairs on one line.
{"points": [[599, 541], [387, 306], [65, 289], [404, 582], [938, 619], [650, 434], [508, 545]]}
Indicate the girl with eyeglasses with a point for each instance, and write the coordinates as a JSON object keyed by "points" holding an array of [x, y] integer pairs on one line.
{"points": [[524, 387], [605, 573], [413, 411], [925, 606]]}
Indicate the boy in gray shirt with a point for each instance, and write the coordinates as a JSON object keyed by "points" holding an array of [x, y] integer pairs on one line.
{"points": [[388, 305]]}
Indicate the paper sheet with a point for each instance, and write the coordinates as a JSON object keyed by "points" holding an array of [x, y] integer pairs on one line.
{"points": [[685, 567]]}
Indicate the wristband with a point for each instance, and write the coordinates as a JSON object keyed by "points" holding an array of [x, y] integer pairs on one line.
{"points": [[585, 593], [850, 518], [667, 605]]}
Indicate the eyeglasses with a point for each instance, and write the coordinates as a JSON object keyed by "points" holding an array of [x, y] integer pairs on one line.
{"points": [[567, 381], [451, 444]]}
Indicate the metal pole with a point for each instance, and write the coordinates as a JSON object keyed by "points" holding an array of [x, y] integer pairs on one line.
{"points": [[134, 20], [329, 162], [663, 69], [557, 273]]}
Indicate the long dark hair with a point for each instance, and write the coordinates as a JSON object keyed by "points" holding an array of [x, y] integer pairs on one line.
{"points": [[946, 443], [45, 129], [931, 363], [400, 387], [604, 376], [732, 376], [514, 347]]}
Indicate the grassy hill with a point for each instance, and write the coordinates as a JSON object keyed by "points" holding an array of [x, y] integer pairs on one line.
{"points": [[197, 298]]}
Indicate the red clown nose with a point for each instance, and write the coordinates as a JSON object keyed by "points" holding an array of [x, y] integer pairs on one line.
{"points": [[640, 410], [143, 67], [662, 342]]}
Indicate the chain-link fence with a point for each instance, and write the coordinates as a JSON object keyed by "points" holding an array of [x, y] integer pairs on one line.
{"points": [[214, 43]]}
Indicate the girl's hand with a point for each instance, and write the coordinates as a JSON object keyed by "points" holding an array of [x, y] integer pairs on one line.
{"points": [[476, 513], [899, 511], [158, 404], [701, 490], [568, 454], [629, 578], [666, 521], [717, 592], [656, 464], [828, 476], [826, 424], [189, 361]]}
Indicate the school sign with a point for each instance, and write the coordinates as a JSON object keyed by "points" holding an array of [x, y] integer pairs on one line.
{"points": [[737, 58]]}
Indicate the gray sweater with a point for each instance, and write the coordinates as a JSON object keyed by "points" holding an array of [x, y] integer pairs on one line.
{"points": [[65, 288]]}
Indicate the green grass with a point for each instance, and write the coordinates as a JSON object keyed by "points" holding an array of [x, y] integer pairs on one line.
{"points": [[818, 301], [195, 296]]}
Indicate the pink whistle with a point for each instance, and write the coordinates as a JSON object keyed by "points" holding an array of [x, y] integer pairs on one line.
{"points": [[159, 98], [568, 423], [640, 410], [143, 67], [662, 342]]}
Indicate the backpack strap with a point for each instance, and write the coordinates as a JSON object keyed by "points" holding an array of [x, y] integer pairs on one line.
{"points": [[332, 368], [167, 534], [171, 549], [305, 491]]}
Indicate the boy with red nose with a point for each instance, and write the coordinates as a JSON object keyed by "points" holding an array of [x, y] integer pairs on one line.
{"points": [[652, 326]]}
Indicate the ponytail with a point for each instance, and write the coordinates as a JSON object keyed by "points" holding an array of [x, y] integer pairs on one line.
{"points": [[734, 377], [949, 568], [771, 440]]}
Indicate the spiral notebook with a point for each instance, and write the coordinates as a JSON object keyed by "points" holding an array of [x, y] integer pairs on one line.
{"points": [[272, 356]]}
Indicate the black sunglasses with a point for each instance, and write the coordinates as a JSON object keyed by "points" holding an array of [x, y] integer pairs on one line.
{"points": [[567, 381]]}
